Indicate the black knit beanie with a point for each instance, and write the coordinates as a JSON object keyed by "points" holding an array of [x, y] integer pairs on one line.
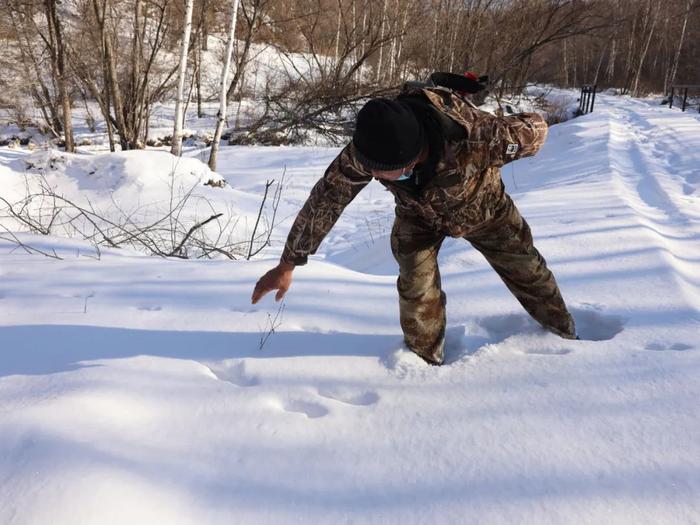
{"points": [[388, 136]]}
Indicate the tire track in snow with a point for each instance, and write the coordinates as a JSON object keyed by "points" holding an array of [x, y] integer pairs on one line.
{"points": [[644, 162]]}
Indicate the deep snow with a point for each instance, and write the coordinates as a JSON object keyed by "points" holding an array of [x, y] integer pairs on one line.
{"points": [[134, 389]]}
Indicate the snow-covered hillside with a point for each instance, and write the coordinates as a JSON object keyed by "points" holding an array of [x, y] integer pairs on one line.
{"points": [[135, 389]]}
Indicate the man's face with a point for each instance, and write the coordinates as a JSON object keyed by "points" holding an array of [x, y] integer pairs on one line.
{"points": [[394, 174]]}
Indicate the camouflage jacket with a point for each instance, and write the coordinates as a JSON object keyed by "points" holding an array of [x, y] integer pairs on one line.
{"points": [[460, 196]]}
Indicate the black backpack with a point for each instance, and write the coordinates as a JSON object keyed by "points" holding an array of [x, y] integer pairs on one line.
{"points": [[460, 84]]}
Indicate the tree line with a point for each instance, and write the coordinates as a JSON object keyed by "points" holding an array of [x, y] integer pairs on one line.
{"points": [[127, 55]]}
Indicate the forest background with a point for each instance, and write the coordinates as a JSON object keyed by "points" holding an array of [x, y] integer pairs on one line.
{"points": [[122, 57]]}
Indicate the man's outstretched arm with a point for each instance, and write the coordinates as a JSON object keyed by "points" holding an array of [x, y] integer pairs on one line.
{"points": [[342, 181]]}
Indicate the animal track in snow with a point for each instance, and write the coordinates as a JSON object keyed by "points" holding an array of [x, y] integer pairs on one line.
{"points": [[548, 351], [661, 347], [236, 374], [350, 398], [243, 310], [150, 308], [691, 184], [309, 409]]}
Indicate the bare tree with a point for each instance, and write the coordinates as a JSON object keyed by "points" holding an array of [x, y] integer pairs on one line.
{"points": [[651, 17], [176, 148], [58, 66], [32, 43], [221, 114], [253, 12], [673, 70], [133, 72], [332, 55]]}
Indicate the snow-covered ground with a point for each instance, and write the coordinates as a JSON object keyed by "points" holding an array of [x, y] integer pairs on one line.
{"points": [[135, 389]]}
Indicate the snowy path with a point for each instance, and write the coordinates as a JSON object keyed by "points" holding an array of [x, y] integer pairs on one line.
{"points": [[659, 175], [133, 390]]}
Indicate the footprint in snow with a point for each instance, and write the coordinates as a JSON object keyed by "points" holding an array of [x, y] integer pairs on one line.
{"points": [[592, 325], [307, 408], [476, 334], [661, 347], [404, 363], [235, 373], [464, 341], [350, 398]]}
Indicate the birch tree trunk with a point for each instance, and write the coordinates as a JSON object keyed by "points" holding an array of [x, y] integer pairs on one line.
{"points": [[651, 20], [599, 66], [378, 74], [453, 42], [198, 79], [337, 33], [399, 45], [176, 148], [362, 46], [392, 49], [135, 98], [575, 63], [630, 55], [354, 36], [221, 114], [565, 64], [610, 72], [676, 58], [433, 48]]}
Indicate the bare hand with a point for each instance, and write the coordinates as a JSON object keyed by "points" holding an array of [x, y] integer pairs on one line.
{"points": [[279, 278]]}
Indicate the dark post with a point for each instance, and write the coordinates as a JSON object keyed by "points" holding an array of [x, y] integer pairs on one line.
{"points": [[587, 100], [683, 90]]}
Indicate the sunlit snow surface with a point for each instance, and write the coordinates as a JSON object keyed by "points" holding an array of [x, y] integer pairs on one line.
{"points": [[134, 390]]}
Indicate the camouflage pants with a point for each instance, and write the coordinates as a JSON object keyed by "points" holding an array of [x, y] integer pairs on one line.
{"points": [[506, 242]]}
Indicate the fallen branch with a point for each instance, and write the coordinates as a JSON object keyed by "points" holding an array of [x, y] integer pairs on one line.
{"points": [[176, 251], [27, 248]]}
